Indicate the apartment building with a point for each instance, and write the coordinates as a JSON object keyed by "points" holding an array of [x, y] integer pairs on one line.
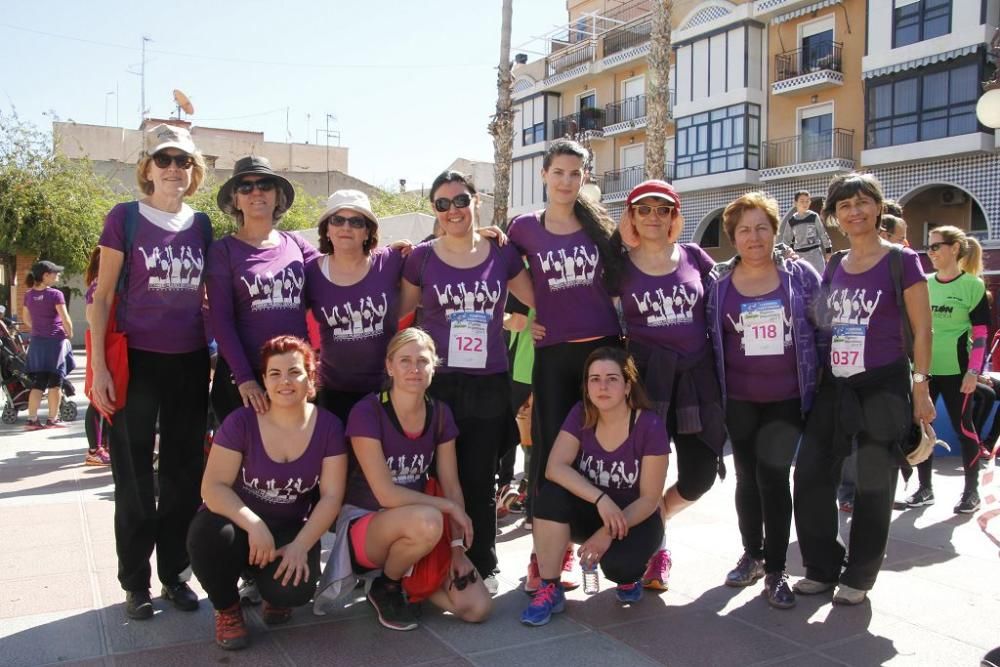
{"points": [[776, 95]]}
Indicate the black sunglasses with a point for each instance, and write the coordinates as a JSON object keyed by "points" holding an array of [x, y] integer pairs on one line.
{"points": [[356, 222], [163, 160], [645, 209], [246, 187], [443, 204], [934, 247], [461, 582]]}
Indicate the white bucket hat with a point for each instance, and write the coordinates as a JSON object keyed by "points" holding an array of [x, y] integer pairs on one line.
{"points": [[353, 200]]}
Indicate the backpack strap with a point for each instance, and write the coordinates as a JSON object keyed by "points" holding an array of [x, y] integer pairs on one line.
{"points": [[205, 222]]}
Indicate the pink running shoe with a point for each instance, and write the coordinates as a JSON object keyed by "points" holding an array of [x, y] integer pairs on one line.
{"points": [[657, 571], [98, 457], [533, 580], [568, 579]]}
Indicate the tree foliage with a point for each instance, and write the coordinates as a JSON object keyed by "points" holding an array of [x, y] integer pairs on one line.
{"points": [[386, 203]]}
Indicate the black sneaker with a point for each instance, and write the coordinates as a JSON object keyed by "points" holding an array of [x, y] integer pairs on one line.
{"points": [[138, 605], [968, 504], [921, 498], [748, 570], [181, 595], [777, 591], [393, 612]]}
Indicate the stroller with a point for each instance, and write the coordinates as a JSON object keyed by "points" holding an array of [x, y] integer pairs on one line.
{"points": [[16, 383]]}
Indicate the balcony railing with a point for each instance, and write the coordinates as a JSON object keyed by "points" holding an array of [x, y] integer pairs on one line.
{"points": [[569, 57], [626, 37], [623, 180], [575, 123], [628, 109], [835, 144], [815, 57]]}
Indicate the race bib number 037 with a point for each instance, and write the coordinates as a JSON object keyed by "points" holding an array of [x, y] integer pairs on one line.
{"points": [[847, 353]]}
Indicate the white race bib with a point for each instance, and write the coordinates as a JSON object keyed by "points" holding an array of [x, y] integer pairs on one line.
{"points": [[763, 328], [467, 340], [847, 353]]}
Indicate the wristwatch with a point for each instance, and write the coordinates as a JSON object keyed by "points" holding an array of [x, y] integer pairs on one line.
{"points": [[920, 377]]}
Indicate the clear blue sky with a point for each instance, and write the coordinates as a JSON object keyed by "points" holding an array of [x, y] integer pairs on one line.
{"points": [[412, 83]]}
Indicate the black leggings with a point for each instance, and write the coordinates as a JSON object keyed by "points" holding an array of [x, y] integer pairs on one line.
{"points": [[948, 387], [520, 393], [556, 378], [697, 465], [764, 437], [220, 552], [225, 394], [171, 389], [339, 403], [93, 426], [625, 560]]}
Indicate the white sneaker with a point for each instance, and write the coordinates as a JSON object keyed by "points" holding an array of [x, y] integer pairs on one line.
{"points": [[850, 596], [807, 586]]}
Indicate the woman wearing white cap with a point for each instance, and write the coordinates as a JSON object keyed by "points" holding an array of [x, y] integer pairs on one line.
{"points": [[255, 278], [152, 257], [353, 291]]}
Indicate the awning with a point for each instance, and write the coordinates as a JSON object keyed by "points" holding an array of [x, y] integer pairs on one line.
{"points": [[802, 11], [920, 62]]}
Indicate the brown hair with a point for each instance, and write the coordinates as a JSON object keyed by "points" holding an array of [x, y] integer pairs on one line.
{"points": [[845, 186], [751, 200], [636, 398], [197, 174], [93, 266], [970, 253], [286, 345]]}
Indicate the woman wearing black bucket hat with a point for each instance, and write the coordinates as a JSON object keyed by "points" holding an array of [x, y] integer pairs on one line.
{"points": [[255, 281]]}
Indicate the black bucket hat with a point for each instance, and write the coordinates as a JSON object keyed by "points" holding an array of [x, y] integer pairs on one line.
{"points": [[252, 165]]}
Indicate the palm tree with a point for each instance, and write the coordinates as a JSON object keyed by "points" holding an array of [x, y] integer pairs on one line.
{"points": [[658, 95], [501, 127]]}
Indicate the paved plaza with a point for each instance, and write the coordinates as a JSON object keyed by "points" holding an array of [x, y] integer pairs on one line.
{"points": [[936, 602]]}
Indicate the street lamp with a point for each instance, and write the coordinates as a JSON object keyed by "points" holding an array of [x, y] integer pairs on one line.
{"points": [[988, 106]]}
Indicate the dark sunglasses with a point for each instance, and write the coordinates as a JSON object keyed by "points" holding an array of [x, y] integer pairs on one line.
{"points": [[443, 204], [246, 187], [356, 222], [459, 583], [644, 209], [934, 247], [163, 160]]}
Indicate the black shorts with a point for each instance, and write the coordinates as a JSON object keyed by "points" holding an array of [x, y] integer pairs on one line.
{"points": [[43, 380]]}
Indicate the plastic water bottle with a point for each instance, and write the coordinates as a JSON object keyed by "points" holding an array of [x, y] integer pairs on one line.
{"points": [[591, 582]]}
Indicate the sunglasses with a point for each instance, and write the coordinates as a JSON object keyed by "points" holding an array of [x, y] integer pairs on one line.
{"points": [[354, 221], [246, 187], [443, 204], [644, 210], [934, 247], [163, 160], [459, 583]]}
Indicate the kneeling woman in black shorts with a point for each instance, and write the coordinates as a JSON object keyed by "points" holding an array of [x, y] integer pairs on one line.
{"points": [[608, 465]]}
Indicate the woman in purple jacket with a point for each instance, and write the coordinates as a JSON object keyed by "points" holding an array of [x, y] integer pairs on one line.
{"points": [[760, 319]]}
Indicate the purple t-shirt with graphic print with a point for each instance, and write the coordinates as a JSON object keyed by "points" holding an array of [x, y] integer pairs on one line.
{"points": [[255, 294], [570, 299], [667, 311], [274, 490], [864, 304], [617, 473], [462, 309], [761, 378], [41, 305], [355, 321], [408, 459], [161, 309]]}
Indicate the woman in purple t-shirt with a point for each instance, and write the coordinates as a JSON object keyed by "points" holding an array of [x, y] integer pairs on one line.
{"points": [[389, 523], [573, 262], [255, 279], [353, 292], [460, 282], [157, 248], [273, 486], [607, 471], [50, 324], [865, 397]]}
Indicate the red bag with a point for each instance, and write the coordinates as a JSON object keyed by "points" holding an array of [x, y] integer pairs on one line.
{"points": [[116, 358], [430, 571]]}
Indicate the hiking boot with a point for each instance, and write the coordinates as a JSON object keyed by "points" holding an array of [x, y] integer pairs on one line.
{"points": [[249, 593], [33, 425], [777, 592], [921, 497], [848, 595], [138, 605], [969, 503], [533, 579], [393, 612], [549, 599], [747, 571], [274, 615], [230, 631], [657, 572], [181, 595], [629, 593], [808, 586], [98, 457]]}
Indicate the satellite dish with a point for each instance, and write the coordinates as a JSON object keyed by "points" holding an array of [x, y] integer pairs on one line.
{"points": [[183, 103]]}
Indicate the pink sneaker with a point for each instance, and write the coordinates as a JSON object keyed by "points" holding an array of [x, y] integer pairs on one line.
{"points": [[533, 580], [657, 571], [99, 457], [55, 423], [568, 579], [33, 425]]}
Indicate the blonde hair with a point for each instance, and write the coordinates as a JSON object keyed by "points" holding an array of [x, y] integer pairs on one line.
{"points": [[405, 337], [630, 236], [970, 253], [197, 174], [751, 200]]}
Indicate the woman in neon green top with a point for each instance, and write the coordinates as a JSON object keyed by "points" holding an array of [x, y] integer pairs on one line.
{"points": [[961, 316]]}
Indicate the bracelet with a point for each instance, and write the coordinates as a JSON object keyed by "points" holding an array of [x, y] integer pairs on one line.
{"points": [[458, 542], [599, 497]]}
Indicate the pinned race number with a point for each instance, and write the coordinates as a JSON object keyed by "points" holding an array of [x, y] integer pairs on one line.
{"points": [[847, 352], [763, 328], [467, 340]]}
